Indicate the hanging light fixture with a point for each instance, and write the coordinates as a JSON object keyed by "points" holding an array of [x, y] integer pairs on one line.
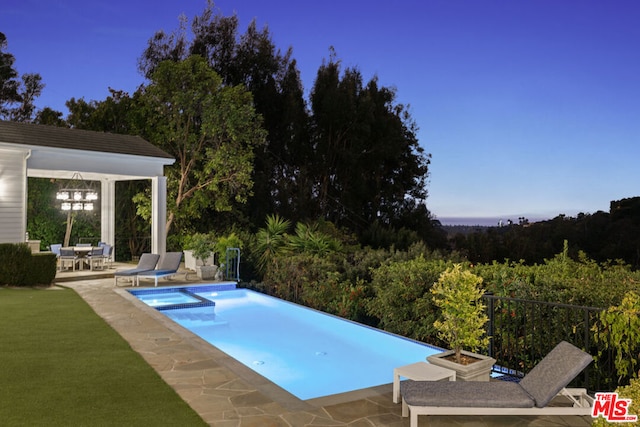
{"points": [[77, 195]]}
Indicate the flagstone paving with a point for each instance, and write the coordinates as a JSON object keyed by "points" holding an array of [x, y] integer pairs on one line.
{"points": [[227, 394]]}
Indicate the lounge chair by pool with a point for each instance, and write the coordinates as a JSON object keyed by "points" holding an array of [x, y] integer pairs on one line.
{"points": [[167, 267], [147, 262], [530, 396]]}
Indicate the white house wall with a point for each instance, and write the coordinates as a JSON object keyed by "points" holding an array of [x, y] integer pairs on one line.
{"points": [[13, 194]]}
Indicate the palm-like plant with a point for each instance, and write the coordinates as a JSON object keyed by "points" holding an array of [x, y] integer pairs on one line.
{"points": [[272, 240]]}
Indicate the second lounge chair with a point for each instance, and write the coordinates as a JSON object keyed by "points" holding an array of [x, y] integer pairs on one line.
{"points": [[147, 262]]}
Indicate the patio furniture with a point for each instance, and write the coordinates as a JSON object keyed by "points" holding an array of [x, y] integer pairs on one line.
{"points": [[147, 262], [80, 253], [167, 267], [107, 253], [55, 248], [420, 371], [67, 257], [95, 258], [531, 396]]}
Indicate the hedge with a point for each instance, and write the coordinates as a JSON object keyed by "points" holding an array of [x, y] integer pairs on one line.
{"points": [[19, 267]]}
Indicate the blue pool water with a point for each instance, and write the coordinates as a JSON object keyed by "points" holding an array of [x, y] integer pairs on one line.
{"points": [[306, 352]]}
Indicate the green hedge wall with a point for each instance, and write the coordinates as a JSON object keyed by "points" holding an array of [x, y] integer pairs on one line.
{"points": [[18, 267]]}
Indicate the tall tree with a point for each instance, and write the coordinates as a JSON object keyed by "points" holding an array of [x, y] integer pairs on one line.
{"points": [[353, 159], [209, 128], [16, 96], [250, 59], [370, 167]]}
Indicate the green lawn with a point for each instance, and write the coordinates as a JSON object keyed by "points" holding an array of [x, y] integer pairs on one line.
{"points": [[62, 365]]}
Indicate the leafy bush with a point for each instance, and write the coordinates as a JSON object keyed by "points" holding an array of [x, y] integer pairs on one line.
{"points": [[225, 242], [561, 279], [402, 301], [202, 245], [294, 277], [619, 329]]}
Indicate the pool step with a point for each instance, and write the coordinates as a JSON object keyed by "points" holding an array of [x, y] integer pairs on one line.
{"points": [[209, 318]]}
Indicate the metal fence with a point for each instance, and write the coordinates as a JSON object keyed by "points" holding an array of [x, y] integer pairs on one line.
{"points": [[522, 332]]}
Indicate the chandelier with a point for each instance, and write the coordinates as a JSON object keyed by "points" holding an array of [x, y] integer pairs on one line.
{"points": [[77, 195]]}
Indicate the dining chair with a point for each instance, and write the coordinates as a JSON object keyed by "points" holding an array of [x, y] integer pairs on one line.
{"points": [[67, 256]]}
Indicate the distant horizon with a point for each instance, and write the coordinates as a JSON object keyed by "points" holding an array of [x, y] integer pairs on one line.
{"points": [[485, 221], [493, 221]]}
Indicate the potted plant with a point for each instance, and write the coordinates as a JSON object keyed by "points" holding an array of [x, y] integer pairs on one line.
{"points": [[202, 247], [459, 296]]}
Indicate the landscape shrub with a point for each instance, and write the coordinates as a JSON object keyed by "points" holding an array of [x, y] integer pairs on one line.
{"points": [[291, 278], [562, 280], [14, 263], [42, 269], [619, 329], [18, 267], [402, 301]]}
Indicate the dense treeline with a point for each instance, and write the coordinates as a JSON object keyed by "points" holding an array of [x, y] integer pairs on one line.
{"points": [[348, 154], [604, 237]]}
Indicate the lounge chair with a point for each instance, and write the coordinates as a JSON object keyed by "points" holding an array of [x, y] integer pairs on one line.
{"points": [[147, 262], [530, 396], [167, 267]]}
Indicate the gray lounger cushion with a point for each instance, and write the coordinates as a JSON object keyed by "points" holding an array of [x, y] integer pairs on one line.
{"points": [[147, 262], [498, 394], [170, 261], [555, 372]]}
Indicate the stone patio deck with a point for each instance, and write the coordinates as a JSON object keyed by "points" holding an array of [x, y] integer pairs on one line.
{"points": [[227, 394]]}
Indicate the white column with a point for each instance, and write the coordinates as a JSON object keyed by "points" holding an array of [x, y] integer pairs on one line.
{"points": [[158, 214], [108, 212]]}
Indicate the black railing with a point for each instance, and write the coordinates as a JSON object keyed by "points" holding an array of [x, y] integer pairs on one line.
{"points": [[522, 332]]}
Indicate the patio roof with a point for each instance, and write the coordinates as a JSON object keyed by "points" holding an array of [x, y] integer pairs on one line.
{"points": [[30, 150], [76, 139]]}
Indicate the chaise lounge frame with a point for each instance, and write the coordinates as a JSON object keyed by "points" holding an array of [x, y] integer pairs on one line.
{"points": [[146, 263], [546, 381], [167, 267]]}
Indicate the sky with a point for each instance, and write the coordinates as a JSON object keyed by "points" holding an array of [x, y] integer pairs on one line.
{"points": [[529, 108]]}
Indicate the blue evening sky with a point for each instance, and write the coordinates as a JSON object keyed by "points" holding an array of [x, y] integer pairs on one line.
{"points": [[529, 107]]}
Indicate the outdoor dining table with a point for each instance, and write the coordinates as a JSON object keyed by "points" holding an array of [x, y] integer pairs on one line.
{"points": [[81, 252]]}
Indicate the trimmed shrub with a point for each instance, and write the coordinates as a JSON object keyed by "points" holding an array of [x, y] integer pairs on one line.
{"points": [[42, 269], [18, 267]]}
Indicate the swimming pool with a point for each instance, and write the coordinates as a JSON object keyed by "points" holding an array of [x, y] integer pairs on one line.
{"points": [[308, 353]]}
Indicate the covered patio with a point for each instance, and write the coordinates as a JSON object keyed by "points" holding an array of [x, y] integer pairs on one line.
{"points": [[28, 150]]}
